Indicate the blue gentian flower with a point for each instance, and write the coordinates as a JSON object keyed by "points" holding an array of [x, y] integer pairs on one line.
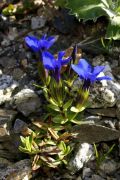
{"points": [[42, 44], [88, 73], [55, 65]]}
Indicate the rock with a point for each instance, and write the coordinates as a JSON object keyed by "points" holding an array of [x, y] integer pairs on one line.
{"points": [[118, 108], [79, 178], [111, 123], [98, 60], [12, 33], [7, 86], [19, 126], [6, 119], [101, 97], [18, 171], [105, 93], [8, 63], [27, 101], [87, 172], [17, 74], [83, 154], [96, 177], [109, 167], [109, 112], [92, 133], [38, 22], [4, 163], [9, 149], [5, 42]]}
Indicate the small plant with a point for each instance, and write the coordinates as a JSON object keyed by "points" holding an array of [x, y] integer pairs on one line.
{"points": [[93, 9], [101, 157], [50, 143]]}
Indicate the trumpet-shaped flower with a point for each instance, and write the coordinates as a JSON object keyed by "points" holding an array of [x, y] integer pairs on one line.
{"points": [[39, 44], [50, 63], [88, 73]]}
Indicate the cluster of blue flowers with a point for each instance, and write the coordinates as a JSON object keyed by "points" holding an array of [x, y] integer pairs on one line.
{"points": [[85, 71]]}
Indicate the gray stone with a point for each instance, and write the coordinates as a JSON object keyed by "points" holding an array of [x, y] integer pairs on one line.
{"points": [[13, 33], [19, 126], [27, 101], [79, 178], [38, 22], [87, 172], [9, 149], [7, 86], [83, 153], [101, 97], [106, 93], [17, 74], [6, 119], [98, 60], [4, 163], [18, 171], [118, 108], [92, 133], [97, 177], [108, 112], [109, 166], [7, 63]]}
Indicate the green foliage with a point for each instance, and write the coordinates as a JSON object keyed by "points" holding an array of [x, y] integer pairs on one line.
{"points": [[46, 147], [101, 157], [8, 10], [49, 144], [12, 9], [93, 9]]}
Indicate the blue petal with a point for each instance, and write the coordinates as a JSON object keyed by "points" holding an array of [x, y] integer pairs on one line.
{"points": [[32, 42], [48, 60], [51, 41], [91, 77], [98, 69], [65, 61], [84, 65], [43, 44], [103, 78], [60, 55], [44, 37], [79, 71]]}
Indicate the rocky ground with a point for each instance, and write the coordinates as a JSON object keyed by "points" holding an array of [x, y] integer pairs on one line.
{"points": [[20, 101]]}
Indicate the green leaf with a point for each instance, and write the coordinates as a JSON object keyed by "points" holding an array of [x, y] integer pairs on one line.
{"points": [[96, 151], [67, 104], [76, 121], [24, 150], [22, 140], [8, 10], [77, 110], [62, 146], [113, 29], [60, 3], [54, 107], [86, 10], [28, 144], [67, 151], [59, 119], [93, 9]]}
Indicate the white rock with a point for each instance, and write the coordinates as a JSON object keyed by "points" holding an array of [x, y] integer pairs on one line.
{"points": [[7, 85], [83, 154], [108, 96]]}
